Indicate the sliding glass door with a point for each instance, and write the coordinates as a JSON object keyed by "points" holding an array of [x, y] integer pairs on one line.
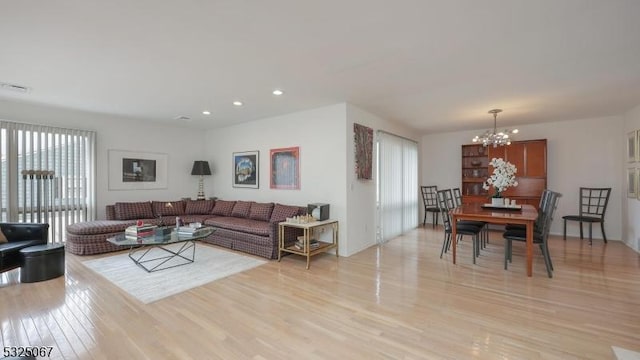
{"points": [[397, 185], [48, 175]]}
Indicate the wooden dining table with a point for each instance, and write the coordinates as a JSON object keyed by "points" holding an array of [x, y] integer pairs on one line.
{"points": [[527, 216]]}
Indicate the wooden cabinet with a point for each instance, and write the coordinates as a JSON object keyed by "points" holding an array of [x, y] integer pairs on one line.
{"points": [[529, 157], [475, 170]]}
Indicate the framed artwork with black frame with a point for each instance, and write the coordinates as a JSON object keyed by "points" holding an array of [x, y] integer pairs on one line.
{"points": [[133, 170], [246, 169]]}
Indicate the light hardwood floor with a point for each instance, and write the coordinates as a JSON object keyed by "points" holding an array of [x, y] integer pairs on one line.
{"points": [[395, 301]]}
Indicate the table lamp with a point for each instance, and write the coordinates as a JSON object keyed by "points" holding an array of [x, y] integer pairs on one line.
{"points": [[201, 167]]}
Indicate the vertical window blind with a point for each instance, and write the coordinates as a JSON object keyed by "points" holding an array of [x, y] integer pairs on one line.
{"points": [[48, 175], [397, 185]]}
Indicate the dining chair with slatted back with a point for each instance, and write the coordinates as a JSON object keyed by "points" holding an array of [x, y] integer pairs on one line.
{"points": [[593, 206], [540, 234], [457, 196], [543, 199], [430, 201], [446, 204], [457, 200]]}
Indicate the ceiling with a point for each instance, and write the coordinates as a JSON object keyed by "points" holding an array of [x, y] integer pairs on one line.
{"points": [[433, 65]]}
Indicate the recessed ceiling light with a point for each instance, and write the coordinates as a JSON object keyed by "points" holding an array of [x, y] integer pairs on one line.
{"points": [[277, 92], [238, 103], [206, 112]]}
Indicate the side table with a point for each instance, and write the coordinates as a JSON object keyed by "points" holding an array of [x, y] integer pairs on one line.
{"points": [[309, 229]]}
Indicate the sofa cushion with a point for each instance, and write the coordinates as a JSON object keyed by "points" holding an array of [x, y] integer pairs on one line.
{"points": [[242, 225], [3, 239], [199, 207], [188, 219], [261, 211], [133, 210], [11, 247], [102, 226], [281, 212], [223, 208], [241, 209], [110, 212], [162, 208]]}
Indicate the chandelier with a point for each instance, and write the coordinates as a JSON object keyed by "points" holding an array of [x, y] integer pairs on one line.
{"points": [[495, 138]]}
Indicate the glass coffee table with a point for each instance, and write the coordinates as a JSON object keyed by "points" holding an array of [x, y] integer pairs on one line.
{"points": [[153, 253]]}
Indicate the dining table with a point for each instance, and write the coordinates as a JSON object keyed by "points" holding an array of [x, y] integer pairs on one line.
{"points": [[524, 214]]}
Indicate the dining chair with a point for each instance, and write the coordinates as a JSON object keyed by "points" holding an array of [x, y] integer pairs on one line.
{"points": [[540, 232], [445, 204], [593, 206], [430, 201], [484, 238], [543, 198]]}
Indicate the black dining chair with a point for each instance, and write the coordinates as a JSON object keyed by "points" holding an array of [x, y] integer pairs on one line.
{"points": [[484, 235], [543, 199], [430, 201], [540, 232], [593, 206], [446, 204]]}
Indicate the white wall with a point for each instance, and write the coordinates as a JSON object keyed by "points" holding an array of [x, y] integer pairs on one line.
{"points": [[361, 194], [320, 135], [327, 163], [183, 146], [583, 152], [631, 206]]}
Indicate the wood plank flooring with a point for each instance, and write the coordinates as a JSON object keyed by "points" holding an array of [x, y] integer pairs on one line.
{"points": [[397, 301]]}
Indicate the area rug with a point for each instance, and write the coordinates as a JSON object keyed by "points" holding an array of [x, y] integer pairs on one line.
{"points": [[210, 264]]}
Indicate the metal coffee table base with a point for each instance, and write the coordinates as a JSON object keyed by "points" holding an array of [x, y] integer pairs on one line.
{"points": [[141, 257]]}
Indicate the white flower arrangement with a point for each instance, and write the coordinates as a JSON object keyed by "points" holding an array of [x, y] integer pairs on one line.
{"points": [[503, 177]]}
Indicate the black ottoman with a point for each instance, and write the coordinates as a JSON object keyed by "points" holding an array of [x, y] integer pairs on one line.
{"points": [[42, 262]]}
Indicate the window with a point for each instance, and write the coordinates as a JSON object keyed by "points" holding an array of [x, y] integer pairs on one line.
{"points": [[48, 175], [397, 185]]}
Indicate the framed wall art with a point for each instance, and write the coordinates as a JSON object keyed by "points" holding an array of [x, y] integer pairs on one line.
{"points": [[130, 170], [363, 141], [246, 168], [632, 182], [632, 146], [285, 168]]}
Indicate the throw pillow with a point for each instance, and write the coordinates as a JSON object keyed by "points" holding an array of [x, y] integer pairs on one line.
{"points": [[3, 239], [161, 208], [199, 207], [223, 208], [261, 211], [281, 212], [241, 209], [133, 210]]}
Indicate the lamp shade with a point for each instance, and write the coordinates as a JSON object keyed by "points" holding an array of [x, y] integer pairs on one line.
{"points": [[200, 167]]}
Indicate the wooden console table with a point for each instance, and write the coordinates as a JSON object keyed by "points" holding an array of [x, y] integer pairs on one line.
{"points": [[308, 229]]}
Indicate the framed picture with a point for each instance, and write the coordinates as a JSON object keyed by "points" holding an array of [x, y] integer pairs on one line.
{"points": [[363, 141], [632, 182], [130, 170], [246, 167], [285, 168], [632, 146]]}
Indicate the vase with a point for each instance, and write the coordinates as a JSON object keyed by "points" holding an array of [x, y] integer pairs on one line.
{"points": [[497, 201]]}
